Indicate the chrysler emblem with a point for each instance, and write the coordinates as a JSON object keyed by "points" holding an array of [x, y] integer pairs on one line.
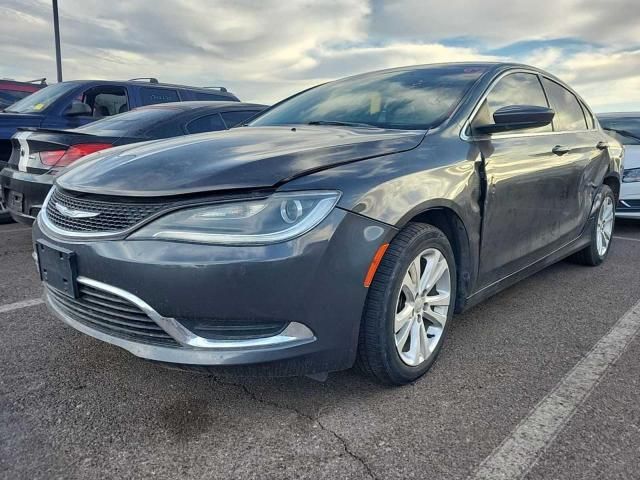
{"points": [[68, 212]]}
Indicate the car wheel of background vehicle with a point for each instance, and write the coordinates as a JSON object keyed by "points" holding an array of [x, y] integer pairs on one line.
{"points": [[602, 231], [409, 306], [5, 217]]}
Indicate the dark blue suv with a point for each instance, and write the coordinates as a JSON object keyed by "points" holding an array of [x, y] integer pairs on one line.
{"points": [[75, 103]]}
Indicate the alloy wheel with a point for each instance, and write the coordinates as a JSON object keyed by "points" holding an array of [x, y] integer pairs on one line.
{"points": [[605, 225], [422, 307]]}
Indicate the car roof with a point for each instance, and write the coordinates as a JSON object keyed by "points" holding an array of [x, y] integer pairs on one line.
{"points": [[204, 104]]}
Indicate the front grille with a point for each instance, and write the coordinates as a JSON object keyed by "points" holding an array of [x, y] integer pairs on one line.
{"points": [[111, 314], [635, 204], [112, 216]]}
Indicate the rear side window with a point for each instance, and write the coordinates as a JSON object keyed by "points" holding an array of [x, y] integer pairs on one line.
{"points": [[569, 115], [151, 96], [208, 123], [209, 97], [233, 119], [131, 124], [513, 89]]}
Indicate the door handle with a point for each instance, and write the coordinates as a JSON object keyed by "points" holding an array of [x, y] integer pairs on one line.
{"points": [[560, 149], [602, 145]]}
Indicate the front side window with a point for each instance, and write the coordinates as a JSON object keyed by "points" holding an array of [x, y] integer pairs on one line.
{"points": [[513, 89], [42, 99], [208, 123], [416, 99], [152, 96], [569, 115], [105, 101]]}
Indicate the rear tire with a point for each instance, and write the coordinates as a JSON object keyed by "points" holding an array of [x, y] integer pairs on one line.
{"points": [[601, 232], [5, 216], [403, 327]]}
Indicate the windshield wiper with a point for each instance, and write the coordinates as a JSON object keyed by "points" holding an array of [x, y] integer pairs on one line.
{"points": [[341, 124], [624, 133]]}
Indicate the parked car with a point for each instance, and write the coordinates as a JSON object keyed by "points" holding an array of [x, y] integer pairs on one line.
{"points": [[39, 155], [11, 90], [345, 224], [76, 103], [625, 127]]}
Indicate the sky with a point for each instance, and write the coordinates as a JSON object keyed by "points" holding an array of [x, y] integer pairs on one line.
{"points": [[269, 49]]}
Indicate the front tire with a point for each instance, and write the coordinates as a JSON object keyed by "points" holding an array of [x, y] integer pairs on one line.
{"points": [[601, 232], [409, 306]]}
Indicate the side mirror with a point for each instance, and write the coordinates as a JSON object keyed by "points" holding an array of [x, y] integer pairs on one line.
{"points": [[77, 108], [517, 117]]}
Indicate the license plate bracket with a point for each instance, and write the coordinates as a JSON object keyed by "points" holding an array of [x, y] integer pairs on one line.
{"points": [[58, 267]]}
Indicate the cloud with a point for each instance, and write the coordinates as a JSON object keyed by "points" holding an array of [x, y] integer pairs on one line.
{"points": [[266, 50]]}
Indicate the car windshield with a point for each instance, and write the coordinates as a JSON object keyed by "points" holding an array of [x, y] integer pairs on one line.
{"points": [[419, 99], [42, 99], [130, 124], [625, 129]]}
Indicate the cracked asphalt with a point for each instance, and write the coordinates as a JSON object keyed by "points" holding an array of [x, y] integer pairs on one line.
{"points": [[74, 408]]}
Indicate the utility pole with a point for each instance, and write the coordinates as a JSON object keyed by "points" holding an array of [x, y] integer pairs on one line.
{"points": [[56, 30]]}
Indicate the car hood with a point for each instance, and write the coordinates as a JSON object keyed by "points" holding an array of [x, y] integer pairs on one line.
{"points": [[241, 158]]}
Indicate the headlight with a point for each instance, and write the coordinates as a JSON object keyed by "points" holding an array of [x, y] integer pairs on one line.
{"points": [[631, 175], [278, 218]]}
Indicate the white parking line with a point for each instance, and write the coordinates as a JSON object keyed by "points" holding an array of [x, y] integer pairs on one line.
{"points": [[18, 305], [626, 238], [519, 452]]}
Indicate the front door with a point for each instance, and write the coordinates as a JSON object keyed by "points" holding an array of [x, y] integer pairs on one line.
{"points": [[529, 185]]}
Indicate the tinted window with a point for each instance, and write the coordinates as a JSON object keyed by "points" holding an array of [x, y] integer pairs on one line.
{"points": [[151, 96], [7, 97], [514, 89], [626, 130], [106, 100], [414, 99], [569, 115], [237, 118], [208, 96], [42, 99], [132, 123], [208, 123]]}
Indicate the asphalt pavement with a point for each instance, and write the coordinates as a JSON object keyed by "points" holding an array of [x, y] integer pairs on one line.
{"points": [[73, 407]]}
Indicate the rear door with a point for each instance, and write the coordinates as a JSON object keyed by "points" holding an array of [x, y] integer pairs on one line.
{"points": [[586, 159], [527, 184]]}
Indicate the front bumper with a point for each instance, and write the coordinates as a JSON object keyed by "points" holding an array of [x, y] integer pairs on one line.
{"points": [[313, 284], [24, 193]]}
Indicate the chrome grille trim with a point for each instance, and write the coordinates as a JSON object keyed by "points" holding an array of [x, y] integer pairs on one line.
{"points": [[113, 317], [293, 335], [111, 217]]}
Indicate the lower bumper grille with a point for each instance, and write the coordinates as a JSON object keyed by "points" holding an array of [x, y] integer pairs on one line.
{"points": [[629, 205], [111, 314]]}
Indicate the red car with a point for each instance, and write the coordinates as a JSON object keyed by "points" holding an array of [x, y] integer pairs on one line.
{"points": [[11, 91]]}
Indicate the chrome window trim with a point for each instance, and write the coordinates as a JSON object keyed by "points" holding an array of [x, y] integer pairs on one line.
{"points": [[294, 334], [471, 138]]}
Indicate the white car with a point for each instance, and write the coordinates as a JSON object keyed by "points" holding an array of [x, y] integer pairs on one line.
{"points": [[625, 127]]}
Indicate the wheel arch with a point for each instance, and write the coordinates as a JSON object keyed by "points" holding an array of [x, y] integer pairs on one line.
{"points": [[447, 220], [612, 180]]}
